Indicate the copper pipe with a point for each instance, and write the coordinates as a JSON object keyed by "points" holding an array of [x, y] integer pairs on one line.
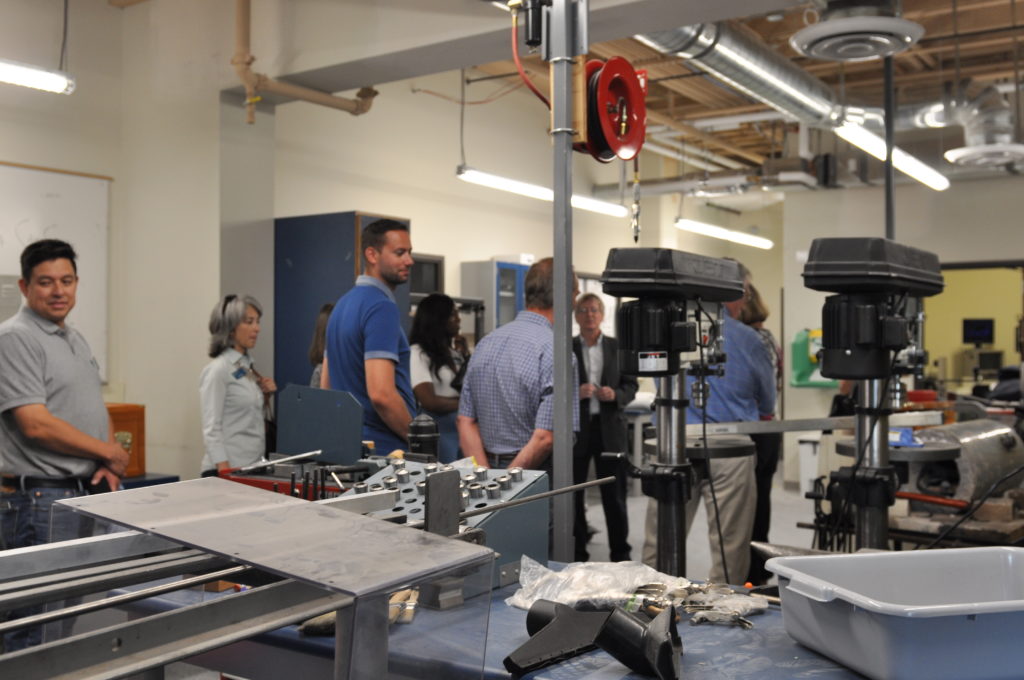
{"points": [[934, 500], [258, 82]]}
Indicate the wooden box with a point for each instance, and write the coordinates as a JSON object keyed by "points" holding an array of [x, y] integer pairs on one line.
{"points": [[130, 431]]}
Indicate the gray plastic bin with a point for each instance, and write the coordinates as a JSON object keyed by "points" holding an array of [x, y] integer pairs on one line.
{"points": [[933, 614]]}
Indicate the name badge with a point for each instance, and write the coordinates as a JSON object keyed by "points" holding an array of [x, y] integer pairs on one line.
{"points": [[239, 373]]}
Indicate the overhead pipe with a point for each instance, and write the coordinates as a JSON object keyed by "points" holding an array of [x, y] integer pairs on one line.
{"points": [[750, 66], [257, 82]]}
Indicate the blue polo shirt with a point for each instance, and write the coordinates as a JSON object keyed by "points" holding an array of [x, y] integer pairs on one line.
{"points": [[365, 324], [747, 390]]}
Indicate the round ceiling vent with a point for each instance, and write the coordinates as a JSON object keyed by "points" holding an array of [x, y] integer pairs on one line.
{"points": [[986, 155], [856, 38]]}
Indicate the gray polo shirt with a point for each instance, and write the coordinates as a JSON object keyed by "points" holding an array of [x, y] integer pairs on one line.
{"points": [[42, 363]]}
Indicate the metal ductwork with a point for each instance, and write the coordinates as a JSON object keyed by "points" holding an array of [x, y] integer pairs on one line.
{"points": [[747, 64], [857, 30], [987, 120]]}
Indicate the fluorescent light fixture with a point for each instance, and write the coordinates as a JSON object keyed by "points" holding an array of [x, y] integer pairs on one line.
{"points": [[874, 145], [26, 75], [486, 179], [724, 234]]}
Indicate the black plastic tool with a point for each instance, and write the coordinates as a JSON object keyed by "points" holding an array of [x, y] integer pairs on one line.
{"points": [[559, 632]]}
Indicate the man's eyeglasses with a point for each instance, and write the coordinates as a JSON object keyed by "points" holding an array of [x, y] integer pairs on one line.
{"points": [[588, 310]]}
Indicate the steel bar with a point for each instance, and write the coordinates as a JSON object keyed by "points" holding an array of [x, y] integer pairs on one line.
{"points": [[890, 135], [107, 568], [908, 419], [563, 30], [288, 459], [136, 646], [671, 533], [124, 598], [19, 563], [106, 581], [872, 431]]}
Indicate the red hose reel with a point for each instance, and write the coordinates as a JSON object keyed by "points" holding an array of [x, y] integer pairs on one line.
{"points": [[616, 110]]}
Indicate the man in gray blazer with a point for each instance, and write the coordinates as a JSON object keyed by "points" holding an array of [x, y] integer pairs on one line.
{"points": [[604, 393]]}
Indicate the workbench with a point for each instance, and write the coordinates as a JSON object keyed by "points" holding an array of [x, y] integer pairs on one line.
{"points": [[710, 652]]}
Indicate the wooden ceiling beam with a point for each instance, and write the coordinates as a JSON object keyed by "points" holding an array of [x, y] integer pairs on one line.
{"points": [[981, 72], [931, 9], [690, 132]]}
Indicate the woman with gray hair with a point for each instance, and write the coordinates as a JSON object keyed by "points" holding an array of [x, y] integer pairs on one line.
{"points": [[234, 398]]}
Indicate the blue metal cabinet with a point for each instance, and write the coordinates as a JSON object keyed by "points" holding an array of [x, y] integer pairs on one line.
{"points": [[316, 260], [501, 285]]}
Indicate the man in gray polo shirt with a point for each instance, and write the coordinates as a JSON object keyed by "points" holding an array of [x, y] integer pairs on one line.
{"points": [[56, 439]]}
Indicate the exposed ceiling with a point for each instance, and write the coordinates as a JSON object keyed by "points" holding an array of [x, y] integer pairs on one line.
{"points": [[978, 40]]}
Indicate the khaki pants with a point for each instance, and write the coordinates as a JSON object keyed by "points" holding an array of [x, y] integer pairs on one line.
{"points": [[736, 491]]}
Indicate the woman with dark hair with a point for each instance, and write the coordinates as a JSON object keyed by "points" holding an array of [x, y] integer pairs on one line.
{"points": [[316, 347], [234, 398], [437, 354], [767, 445]]}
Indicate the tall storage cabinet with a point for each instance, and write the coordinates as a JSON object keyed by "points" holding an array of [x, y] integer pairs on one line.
{"points": [[501, 285], [316, 260]]}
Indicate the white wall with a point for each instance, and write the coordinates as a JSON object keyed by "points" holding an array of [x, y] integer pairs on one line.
{"points": [[167, 253], [400, 159], [147, 112]]}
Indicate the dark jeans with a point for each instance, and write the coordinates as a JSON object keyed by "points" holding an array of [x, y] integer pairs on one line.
{"points": [[767, 446], [613, 496], [25, 520]]}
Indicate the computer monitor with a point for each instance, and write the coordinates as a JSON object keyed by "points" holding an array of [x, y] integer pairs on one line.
{"points": [[979, 332]]}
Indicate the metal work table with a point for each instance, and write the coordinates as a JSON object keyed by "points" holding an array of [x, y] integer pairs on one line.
{"points": [[765, 652]]}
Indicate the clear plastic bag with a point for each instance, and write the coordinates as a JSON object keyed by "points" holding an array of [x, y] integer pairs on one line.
{"points": [[590, 585]]}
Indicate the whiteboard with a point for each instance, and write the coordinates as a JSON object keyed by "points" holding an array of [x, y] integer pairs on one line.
{"points": [[37, 204]]}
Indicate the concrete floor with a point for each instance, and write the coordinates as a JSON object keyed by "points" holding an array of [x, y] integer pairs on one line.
{"points": [[788, 508]]}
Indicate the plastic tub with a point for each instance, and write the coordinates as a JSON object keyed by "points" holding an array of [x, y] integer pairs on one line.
{"points": [[933, 614]]}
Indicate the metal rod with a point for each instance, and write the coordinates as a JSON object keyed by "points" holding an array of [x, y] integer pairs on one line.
{"points": [[671, 534], [287, 459], [873, 440], [87, 607], [103, 582], [480, 79], [908, 419], [890, 134], [562, 28], [536, 497]]}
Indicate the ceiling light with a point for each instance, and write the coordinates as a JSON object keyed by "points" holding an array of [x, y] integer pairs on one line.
{"points": [[725, 234], [486, 179], [874, 145], [26, 75]]}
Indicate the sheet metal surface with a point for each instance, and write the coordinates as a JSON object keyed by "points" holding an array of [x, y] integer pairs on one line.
{"points": [[332, 548]]}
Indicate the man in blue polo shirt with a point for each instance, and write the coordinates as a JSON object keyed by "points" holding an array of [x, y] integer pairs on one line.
{"points": [[367, 353]]}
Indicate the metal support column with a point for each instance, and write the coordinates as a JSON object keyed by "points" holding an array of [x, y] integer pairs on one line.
{"points": [[564, 44], [873, 443], [672, 454], [890, 118], [365, 626]]}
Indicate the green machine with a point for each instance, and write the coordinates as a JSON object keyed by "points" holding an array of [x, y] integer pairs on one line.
{"points": [[806, 370]]}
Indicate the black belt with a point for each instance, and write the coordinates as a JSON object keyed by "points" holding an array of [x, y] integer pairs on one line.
{"points": [[501, 458], [29, 482]]}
